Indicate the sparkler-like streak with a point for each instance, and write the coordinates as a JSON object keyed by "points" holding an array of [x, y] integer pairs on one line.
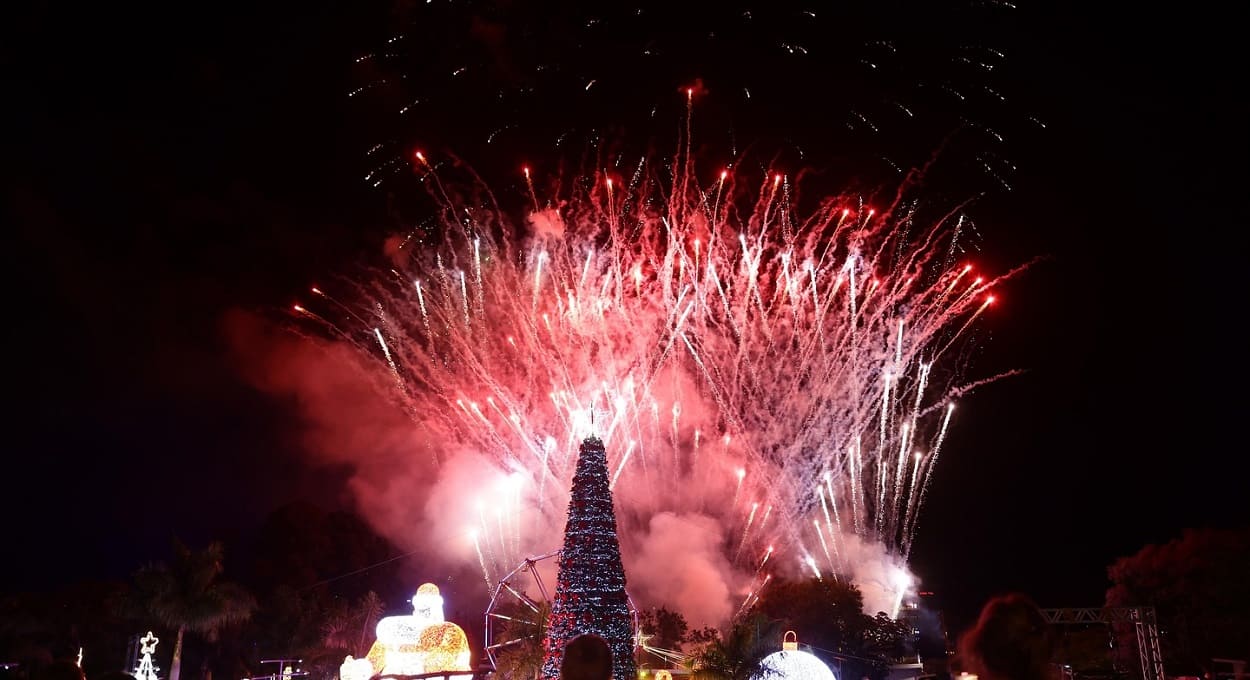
{"points": [[681, 310], [477, 546]]}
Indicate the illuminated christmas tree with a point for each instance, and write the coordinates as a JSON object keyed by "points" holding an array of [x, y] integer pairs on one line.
{"points": [[590, 592]]}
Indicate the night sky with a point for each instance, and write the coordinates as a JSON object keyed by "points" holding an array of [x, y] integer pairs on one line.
{"points": [[169, 164]]}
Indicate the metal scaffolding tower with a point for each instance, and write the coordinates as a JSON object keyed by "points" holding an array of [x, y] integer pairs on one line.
{"points": [[1144, 624]]}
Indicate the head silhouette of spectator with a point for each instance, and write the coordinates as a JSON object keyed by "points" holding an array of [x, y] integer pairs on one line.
{"points": [[63, 669], [113, 675], [586, 657], [1011, 641]]}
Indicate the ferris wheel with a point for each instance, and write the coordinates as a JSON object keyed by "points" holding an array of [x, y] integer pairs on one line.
{"points": [[516, 618]]}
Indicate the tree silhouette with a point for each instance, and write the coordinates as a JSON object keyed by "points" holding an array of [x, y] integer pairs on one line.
{"points": [[188, 595], [828, 615], [1198, 587], [667, 629], [737, 654], [349, 628]]}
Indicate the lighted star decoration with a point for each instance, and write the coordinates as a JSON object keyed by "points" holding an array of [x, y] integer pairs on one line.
{"points": [[148, 643]]}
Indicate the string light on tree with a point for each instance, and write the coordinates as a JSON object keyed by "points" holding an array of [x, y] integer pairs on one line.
{"points": [[590, 590]]}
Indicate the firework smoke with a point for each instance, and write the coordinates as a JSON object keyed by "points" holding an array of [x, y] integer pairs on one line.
{"points": [[765, 380]]}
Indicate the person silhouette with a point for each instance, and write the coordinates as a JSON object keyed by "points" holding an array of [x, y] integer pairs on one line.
{"points": [[62, 669], [1010, 641], [586, 657], [113, 675]]}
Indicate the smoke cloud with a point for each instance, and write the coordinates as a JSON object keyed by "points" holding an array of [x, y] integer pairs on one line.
{"points": [[547, 223], [880, 576], [679, 562], [422, 492]]}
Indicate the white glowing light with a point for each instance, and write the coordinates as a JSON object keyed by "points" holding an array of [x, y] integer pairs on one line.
{"points": [[793, 664], [147, 669], [902, 584], [411, 645]]}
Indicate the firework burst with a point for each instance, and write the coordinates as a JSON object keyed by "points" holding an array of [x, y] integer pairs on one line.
{"points": [[788, 373]]}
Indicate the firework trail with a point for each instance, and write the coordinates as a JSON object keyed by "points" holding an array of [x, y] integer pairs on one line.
{"points": [[813, 349], [887, 73]]}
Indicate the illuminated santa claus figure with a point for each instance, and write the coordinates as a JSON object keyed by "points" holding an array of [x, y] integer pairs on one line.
{"points": [[410, 645]]}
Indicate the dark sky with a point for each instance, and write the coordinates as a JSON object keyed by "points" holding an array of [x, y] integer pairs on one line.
{"points": [[169, 164]]}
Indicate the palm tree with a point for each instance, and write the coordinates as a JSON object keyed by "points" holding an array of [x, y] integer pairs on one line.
{"points": [[186, 595], [520, 655], [348, 627], [737, 655]]}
